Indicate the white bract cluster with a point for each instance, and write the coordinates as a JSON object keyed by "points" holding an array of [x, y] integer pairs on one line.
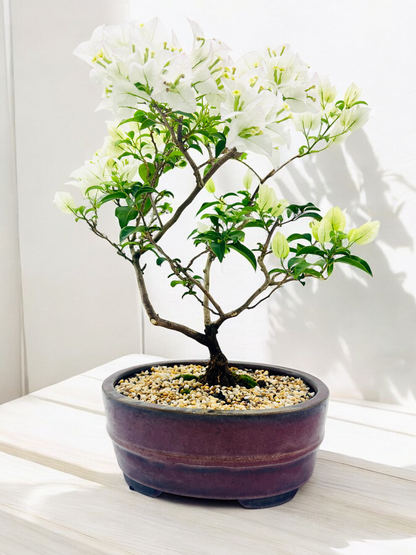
{"points": [[260, 97], [170, 105]]}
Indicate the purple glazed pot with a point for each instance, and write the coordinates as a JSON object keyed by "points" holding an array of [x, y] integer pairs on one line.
{"points": [[259, 457]]}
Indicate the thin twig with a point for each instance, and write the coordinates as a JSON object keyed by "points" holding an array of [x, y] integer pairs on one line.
{"points": [[207, 270], [154, 318]]}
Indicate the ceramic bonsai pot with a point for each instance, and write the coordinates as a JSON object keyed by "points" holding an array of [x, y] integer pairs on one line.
{"points": [[258, 457]]}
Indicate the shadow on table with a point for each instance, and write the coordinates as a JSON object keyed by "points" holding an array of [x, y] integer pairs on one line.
{"points": [[342, 503]]}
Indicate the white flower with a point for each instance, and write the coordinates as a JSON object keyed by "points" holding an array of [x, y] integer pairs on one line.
{"points": [[350, 120], [279, 207], [267, 200], [202, 227], [325, 91], [92, 51], [248, 179], [296, 98], [314, 225], [125, 98], [336, 218], [280, 246], [65, 202], [324, 231], [284, 67], [92, 174], [147, 74], [256, 94], [352, 94], [175, 87], [306, 121], [364, 234], [210, 186]]}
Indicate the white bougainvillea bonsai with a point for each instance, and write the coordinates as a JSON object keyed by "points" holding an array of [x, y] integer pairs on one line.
{"points": [[202, 109]]}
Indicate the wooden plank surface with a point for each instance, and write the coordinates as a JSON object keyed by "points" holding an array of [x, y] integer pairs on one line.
{"points": [[61, 491], [116, 520], [101, 372]]}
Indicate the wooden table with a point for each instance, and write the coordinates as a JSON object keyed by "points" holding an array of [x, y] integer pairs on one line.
{"points": [[61, 491]]}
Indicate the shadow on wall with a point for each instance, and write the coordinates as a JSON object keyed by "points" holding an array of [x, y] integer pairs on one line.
{"points": [[353, 328]]}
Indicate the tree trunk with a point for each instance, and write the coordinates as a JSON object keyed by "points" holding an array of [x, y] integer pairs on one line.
{"points": [[218, 372]]}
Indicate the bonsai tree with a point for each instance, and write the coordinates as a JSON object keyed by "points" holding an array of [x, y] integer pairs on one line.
{"points": [[203, 110]]}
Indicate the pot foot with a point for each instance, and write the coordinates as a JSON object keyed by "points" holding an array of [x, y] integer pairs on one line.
{"points": [[267, 502], [140, 488]]}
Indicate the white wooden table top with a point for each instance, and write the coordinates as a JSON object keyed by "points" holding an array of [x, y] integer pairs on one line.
{"points": [[61, 491]]}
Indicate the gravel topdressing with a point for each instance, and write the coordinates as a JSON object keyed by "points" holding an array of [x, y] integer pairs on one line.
{"points": [[176, 386]]}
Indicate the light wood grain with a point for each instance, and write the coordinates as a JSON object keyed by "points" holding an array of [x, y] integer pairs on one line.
{"points": [[102, 372], [380, 418], [316, 521], [61, 491], [371, 445], [61, 437], [81, 392]]}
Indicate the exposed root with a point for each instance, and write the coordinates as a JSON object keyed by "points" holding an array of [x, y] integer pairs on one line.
{"points": [[218, 372]]}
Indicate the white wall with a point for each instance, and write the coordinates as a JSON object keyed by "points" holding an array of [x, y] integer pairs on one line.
{"points": [[12, 364], [80, 300], [355, 332]]}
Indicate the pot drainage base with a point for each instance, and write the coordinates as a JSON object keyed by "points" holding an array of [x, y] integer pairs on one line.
{"points": [[262, 503]]}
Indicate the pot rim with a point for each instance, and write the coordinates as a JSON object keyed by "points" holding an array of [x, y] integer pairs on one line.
{"points": [[321, 390]]}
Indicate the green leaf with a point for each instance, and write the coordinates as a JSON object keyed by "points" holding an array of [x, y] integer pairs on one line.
{"points": [[219, 147], [312, 272], [218, 249], [113, 196], [135, 120], [186, 114], [310, 250], [125, 214], [128, 230], [124, 245], [144, 190], [125, 232], [207, 168], [293, 261], [297, 236], [143, 171], [237, 235], [94, 188], [255, 223], [300, 267], [176, 282], [122, 141], [357, 262], [206, 205], [160, 260], [196, 147], [129, 154], [244, 251], [147, 123], [313, 215]]}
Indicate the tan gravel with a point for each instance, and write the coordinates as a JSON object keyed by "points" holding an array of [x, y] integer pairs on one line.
{"points": [[164, 385]]}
